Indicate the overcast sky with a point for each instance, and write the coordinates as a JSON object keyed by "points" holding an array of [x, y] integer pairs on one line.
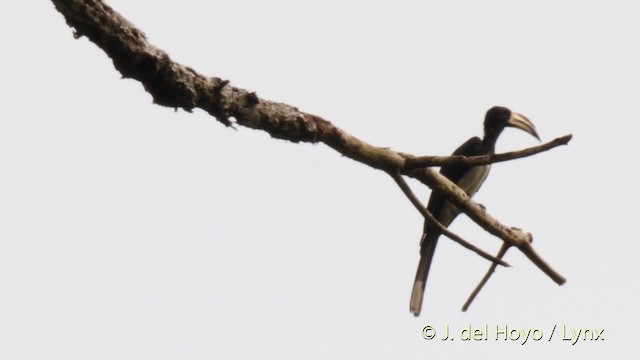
{"points": [[132, 231]]}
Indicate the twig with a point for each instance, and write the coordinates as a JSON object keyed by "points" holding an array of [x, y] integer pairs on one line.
{"points": [[429, 217], [513, 236], [413, 162], [529, 252], [503, 250]]}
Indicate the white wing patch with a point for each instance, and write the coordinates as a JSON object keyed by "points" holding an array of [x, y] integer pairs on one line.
{"points": [[473, 179], [470, 183]]}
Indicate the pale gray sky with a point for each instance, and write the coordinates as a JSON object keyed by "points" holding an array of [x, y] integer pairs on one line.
{"points": [[130, 231]]}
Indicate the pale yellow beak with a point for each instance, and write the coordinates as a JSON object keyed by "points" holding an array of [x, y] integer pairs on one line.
{"points": [[521, 122]]}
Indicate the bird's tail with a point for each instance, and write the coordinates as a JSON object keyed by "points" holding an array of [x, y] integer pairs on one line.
{"points": [[426, 255]]}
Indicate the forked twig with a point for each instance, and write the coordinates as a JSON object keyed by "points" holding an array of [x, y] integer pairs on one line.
{"points": [[503, 250], [429, 217]]}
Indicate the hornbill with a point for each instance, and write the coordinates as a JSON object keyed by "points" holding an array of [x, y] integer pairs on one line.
{"points": [[468, 179]]}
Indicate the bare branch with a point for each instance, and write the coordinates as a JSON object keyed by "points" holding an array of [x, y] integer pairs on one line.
{"points": [[529, 252], [513, 236], [501, 253], [427, 215], [413, 162], [177, 86]]}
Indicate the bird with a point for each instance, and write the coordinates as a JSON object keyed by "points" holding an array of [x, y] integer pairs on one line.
{"points": [[469, 179]]}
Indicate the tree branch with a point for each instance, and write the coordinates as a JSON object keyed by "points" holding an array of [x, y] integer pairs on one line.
{"points": [[501, 253], [513, 236], [175, 85], [527, 250], [413, 162], [429, 217]]}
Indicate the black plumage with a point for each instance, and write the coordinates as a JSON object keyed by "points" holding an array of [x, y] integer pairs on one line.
{"points": [[468, 179]]}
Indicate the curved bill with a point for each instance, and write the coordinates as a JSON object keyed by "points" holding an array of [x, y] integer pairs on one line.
{"points": [[521, 122]]}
